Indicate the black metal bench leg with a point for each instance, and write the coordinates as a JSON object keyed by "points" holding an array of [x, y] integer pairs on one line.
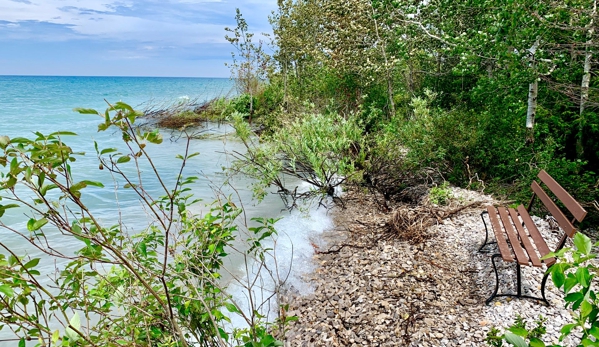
{"points": [[543, 283], [518, 293], [496, 279], [518, 280], [480, 250]]}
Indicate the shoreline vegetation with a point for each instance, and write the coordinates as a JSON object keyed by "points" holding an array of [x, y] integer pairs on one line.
{"points": [[416, 109], [182, 114]]}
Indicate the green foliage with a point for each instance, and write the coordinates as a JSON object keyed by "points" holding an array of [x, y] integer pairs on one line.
{"points": [[159, 286], [440, 195], [319, 149], [575, 278], [250, 63], [243, 103], [459, 83]]}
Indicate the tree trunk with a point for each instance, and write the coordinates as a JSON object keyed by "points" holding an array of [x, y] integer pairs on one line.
{"points": [[586, 80], [533, 89], [389, 75]]}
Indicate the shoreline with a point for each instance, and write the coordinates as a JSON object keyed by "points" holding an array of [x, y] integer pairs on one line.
{"points": [[371, 289]]}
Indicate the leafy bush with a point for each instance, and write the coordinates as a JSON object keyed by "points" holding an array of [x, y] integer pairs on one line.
{"points": [[157, 287], [318, 149]]}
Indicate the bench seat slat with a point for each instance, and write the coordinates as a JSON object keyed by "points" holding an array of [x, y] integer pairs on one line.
{"points": [[559, 216], [506, 255], [536, 235], [528, 247], [521, 257]]}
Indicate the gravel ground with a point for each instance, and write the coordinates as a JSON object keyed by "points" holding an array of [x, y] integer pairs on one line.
{"points": [[372, 290]]}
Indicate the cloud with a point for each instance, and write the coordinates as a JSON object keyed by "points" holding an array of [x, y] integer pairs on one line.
{"points": [[180, 32], [181, 20]]}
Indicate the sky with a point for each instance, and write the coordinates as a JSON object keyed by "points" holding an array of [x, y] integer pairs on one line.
{"points": [[178, 38]]}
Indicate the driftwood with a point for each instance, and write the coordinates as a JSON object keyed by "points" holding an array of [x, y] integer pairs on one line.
{"points": [[410, 223]]}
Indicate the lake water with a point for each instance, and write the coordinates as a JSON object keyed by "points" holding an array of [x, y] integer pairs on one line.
{"points": [[29, 104]]}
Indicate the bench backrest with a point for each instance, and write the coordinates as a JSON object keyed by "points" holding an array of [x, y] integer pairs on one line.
{"points": [[575, 209]]}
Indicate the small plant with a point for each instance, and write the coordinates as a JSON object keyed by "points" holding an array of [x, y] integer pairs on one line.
{"points": [[517, 333], [575, 278], [440, 195]]}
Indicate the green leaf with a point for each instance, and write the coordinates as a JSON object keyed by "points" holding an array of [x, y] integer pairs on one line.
{"points": [[46, 188], [570, 282], [32, 263], [20, 140], [6, 290], [583, 243], [142, 248], [108, 150], [123, 159], [586, 308], [12, 260], [94, 183], [33, 225], [14, 164], [123, 106], [583, 276], [75, 322], [22, 342], [11, 182], [519, 331], [55, 336], [4, 141], [103, 126], [78, 186], [268, 340], [566, 329], [534, 342], [515, 339], [572, 297], [6, 207], [558, 276], [63, 133], [231, 308], [86, 111]]}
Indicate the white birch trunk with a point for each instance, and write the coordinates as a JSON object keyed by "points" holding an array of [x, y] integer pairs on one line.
{"points": [[533, 89], [586, 80]]}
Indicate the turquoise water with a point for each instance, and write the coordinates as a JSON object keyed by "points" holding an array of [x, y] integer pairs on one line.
{"points": [[45, 104], [29, 104]]}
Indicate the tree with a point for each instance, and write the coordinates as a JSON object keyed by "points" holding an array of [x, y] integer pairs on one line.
{"points": [[251, 68]]}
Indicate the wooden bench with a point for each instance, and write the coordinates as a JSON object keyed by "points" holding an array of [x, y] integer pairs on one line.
{"points": [[518, 238]]}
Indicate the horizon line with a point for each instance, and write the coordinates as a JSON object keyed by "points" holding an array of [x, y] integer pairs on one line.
{"points": [[113, 76]]}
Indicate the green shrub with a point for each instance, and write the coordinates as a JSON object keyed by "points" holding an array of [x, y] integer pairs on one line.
{"points": [[320, 149], [440, 195]]}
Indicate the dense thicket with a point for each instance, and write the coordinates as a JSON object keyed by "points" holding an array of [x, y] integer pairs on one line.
{"points": [[486, 92]]}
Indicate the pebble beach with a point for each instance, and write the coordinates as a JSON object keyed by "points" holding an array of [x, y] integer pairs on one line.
{"points": [[372, 289]]}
